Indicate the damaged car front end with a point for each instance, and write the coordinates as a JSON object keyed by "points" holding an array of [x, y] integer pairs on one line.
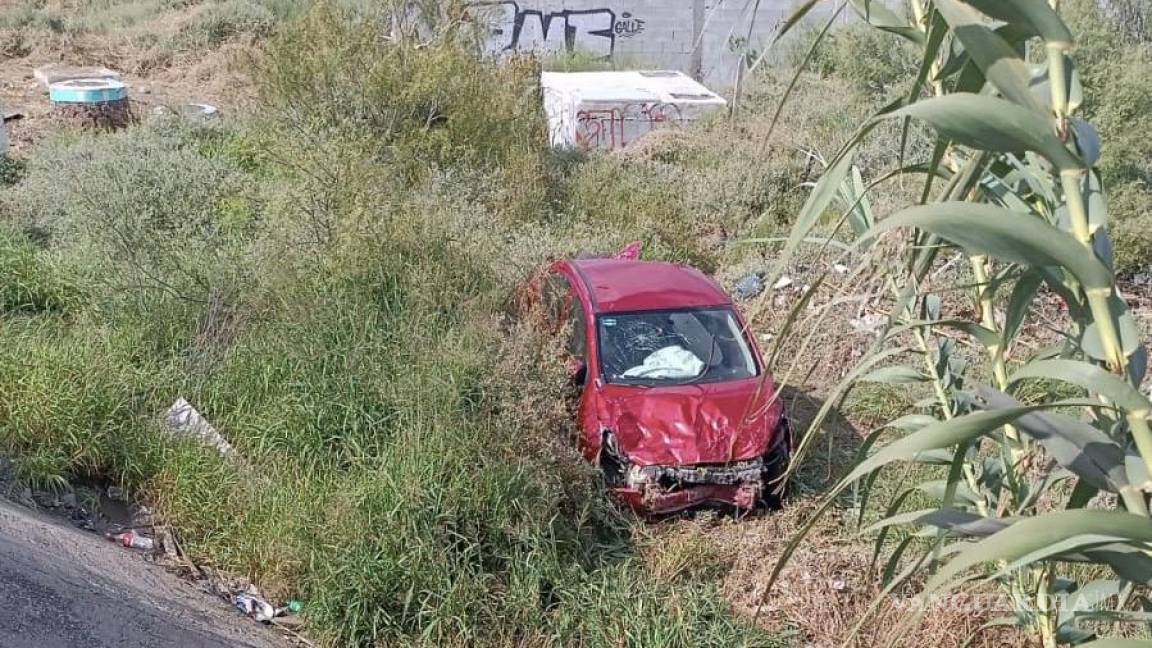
{"points": [[667, 489], [662, 489]]}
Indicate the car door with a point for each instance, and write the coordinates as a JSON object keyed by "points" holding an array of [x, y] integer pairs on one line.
{"points": [[568, 317]]}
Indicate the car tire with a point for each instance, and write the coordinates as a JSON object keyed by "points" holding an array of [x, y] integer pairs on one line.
{"points": [[776, 462]]}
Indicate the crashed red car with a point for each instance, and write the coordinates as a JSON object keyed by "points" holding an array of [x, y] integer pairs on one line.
{"points": [[675, 405]]}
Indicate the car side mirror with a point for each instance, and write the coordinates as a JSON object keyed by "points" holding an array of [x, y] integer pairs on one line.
{"points": [[577, 371]]}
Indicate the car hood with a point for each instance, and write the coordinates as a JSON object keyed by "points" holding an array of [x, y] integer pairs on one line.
{"points": [[691, 424]]}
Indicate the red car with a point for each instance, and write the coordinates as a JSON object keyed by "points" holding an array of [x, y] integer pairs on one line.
{"points": [[675, 404]]}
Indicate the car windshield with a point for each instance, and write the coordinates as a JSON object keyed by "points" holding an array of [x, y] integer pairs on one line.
{"points": [[674, 347]]}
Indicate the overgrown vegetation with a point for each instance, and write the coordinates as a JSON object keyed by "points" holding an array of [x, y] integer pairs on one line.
{"points": [[326, 283], [1114, 63], [326, 280], [1047, 452]]}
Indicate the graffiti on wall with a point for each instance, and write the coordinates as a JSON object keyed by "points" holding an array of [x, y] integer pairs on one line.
{"points": [[587, 30], [616, 126], [628, 26]]}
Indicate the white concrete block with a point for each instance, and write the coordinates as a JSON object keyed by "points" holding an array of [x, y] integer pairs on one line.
{"points": [[609, 110]]}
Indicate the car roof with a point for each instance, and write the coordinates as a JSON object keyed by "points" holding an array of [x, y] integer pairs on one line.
{"points": [[619, 285]]}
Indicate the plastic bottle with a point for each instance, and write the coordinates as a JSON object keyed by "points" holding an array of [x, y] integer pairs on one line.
{"points": [[133, 540]]}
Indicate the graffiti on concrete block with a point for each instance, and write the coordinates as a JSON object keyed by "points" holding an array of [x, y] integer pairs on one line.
{"points": [[617, 126], [513, 29]]}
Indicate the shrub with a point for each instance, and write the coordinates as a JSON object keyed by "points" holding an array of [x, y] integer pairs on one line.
{"points": [[1132, 234], [221, 22], [11, 170], [1117, 76], [72, 402], [434, 107], [144, 206], [873, 61]]}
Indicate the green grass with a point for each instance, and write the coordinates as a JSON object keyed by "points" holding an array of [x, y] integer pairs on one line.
{"points": [[326, 283], [396, 489]]}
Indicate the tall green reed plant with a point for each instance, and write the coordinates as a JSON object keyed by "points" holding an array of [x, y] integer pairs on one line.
{"points": [[1028, 440]]}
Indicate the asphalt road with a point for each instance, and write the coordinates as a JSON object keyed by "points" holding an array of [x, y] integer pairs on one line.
{"points": [[64, 588]]}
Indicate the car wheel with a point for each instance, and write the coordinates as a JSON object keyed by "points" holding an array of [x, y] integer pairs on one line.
{"points": [[776, 462]]}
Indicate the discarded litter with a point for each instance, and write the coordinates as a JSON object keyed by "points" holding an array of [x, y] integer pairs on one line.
{"points": [[192, 111], [1142, 279], [868, 324], [749, 286], [840, 268], [782, 283], [183, 419], [254, 606], [133, 540], [631, 252], [289, 615]]}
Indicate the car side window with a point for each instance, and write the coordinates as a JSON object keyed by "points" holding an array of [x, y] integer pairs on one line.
{"points": [[555, 299], [564, 310], [578, 337]]}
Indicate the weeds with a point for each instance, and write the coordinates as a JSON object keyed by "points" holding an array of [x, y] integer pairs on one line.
{"points": [[326, 284], [29, 282], [229, 20]]}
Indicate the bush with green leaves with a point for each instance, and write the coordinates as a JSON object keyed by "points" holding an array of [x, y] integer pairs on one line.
{"points": [[1120, 105], [221, 22], [1111, 58], [142, 208], [867, 59], [30, 281]]}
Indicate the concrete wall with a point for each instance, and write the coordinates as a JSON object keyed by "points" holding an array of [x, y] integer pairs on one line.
{"points": [[703, 38]]}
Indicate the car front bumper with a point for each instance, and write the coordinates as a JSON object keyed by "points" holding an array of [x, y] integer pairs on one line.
{"points": [[667, 489]]}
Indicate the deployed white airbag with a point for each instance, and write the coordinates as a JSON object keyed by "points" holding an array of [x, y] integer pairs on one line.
{"points": [[669, 362]]}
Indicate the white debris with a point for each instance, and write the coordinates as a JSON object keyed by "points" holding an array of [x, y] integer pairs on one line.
{"points": [[782, 283], [183, 420], [191, 111], [840, 268], [868, 324]]}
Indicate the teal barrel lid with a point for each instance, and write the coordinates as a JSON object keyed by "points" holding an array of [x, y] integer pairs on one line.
{"points": [[87, 91]]}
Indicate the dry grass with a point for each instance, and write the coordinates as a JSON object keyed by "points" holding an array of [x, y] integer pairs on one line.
{"points": [[143, 46]]}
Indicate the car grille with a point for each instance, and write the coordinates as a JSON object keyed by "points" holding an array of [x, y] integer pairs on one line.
{"points": [[732, 473]]}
